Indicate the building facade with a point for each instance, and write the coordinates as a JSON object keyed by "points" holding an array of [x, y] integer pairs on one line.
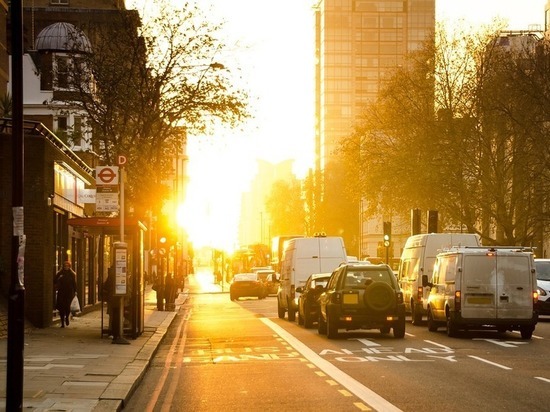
{"points": [[56, 177], [358, 44]]}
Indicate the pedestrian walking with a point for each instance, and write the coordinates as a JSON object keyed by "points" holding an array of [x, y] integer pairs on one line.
{"points": [[65, 284]]}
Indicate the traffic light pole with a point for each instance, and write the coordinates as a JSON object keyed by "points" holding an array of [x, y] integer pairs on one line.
{"points": [[387, 240]]}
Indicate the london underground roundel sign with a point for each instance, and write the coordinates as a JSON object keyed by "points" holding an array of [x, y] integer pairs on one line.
{"points": [[106, 175]]}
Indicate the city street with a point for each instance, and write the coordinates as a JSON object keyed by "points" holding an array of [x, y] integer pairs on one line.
{"points": [[223, 355]]}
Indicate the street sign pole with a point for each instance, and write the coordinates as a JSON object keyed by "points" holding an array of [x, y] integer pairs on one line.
{"points": [[16, 301], [121, 266]]}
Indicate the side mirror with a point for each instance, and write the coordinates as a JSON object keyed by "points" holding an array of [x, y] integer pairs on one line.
{"points": [[299, 289]]}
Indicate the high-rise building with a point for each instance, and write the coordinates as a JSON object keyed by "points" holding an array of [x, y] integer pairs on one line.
{"points": [[359, 43]]}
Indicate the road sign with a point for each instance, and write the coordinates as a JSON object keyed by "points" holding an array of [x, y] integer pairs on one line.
{"points": [[121, 160], [106, 175], [106, 202]]}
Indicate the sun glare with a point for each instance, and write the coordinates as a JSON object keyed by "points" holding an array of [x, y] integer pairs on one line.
{"points": [[276, 63]]}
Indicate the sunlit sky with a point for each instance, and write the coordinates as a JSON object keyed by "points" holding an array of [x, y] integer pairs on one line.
{"points": [[272, 43]]}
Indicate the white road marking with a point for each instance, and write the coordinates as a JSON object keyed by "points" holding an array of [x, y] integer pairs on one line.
{"points": [[542, 379], [438, 344], [506, 344], [355, 387], [490, 363]]}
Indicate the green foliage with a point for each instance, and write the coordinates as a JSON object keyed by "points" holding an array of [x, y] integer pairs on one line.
{"points": [[461, 128], [149, 83]]}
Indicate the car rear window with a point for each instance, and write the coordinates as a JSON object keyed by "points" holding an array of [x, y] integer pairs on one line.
{"points": [[543, 270], [245, 277], [359, 277]]}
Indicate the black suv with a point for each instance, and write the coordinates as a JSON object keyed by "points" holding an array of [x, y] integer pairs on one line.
{"points": [[362, 296]]}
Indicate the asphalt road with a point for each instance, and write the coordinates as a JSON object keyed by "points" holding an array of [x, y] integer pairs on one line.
{"points": [[237, 356]]}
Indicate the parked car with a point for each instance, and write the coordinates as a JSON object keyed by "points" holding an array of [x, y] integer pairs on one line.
{"points": [[362, 296], [247, 285], [270, 279], [308, 301], [543, 283]]}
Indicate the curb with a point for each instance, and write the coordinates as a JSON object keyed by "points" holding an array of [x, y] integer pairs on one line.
{"points": [[118, 392]]}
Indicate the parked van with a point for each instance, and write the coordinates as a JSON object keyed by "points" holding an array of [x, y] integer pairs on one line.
{"points": [[476, 288], [301, 258], [418, 259]]}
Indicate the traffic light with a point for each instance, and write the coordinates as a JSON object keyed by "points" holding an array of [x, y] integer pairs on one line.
{"points": [[432, 221], [387, 233]]}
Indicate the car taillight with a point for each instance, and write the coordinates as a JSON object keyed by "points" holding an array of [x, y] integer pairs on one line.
{"points": [[535, 296], [457, 300], [420, 293], [399, 297]]}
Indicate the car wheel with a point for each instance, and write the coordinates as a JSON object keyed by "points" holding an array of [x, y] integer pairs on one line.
{"points": [[526, 331], [399, 328], [291, 313], [452, 328], [321, 325], [379, 297], [332, 327], [308, 322], [432, 325], [280, 310], [300, 318], [415, 314]]}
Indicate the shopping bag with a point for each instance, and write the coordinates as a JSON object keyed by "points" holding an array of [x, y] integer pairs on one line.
{"points": [[75, 305]]}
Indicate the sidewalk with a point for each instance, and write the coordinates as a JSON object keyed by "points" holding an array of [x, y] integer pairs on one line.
{"points": [[76, 369]]}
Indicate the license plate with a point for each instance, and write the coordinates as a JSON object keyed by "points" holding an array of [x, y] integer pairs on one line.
{"points": [[351, 299]]}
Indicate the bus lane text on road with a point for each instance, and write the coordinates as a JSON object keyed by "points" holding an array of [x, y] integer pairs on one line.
{"points": [[374, 352]]}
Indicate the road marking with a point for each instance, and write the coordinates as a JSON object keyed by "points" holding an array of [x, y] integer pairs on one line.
{"points": [[438, 344], [362, 407], [362, 392], [534, 336], [489, 362], [367, 342], [506, 344], [542, 379]]}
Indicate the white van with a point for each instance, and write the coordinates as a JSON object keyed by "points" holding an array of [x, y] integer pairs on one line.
{"points": [[476, 288], [301, 258], [417, 259]]}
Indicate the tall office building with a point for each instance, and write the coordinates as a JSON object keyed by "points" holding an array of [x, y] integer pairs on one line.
{"points": [[358, 43]]}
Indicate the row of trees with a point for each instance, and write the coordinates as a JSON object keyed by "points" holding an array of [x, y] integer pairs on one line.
{"points": [[155, 80], [463, 128]]}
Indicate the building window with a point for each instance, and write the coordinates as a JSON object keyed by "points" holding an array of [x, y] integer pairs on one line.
{"points": [[78, 133], [61, 130], [62, 72]]}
